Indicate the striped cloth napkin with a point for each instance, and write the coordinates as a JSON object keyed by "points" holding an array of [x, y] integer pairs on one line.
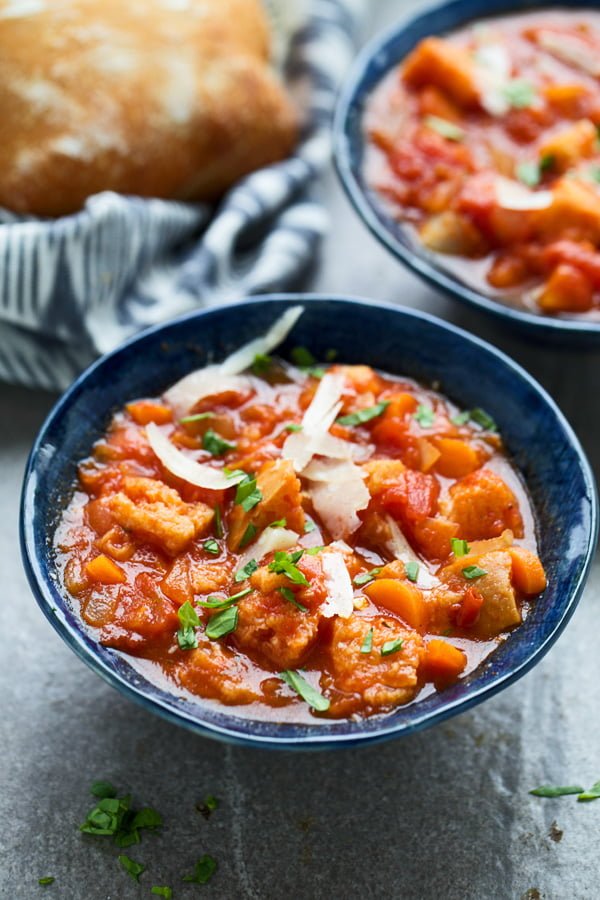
{"points": [[73, 288]]}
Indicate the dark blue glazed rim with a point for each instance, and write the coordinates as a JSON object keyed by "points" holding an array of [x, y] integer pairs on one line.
{"points": [[471, 372], [372, 64]]}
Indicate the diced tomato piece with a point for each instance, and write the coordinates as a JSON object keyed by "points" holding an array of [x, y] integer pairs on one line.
{"points": [[414, 498], [470, 608]]}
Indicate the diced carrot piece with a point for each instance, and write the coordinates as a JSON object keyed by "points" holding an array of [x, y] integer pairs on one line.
{"points": [[400, 405], [566, 98], [145, 411], [429, 454], [433, 536], [507, 271], [443, 661], [528, 574], [469, 608], [450, 68], [105, 570], [457, 457], [400, 597], [432, 102], [567, 290]]}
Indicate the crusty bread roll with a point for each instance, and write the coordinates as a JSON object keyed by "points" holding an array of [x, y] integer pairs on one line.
{"points": [[161, 98]]}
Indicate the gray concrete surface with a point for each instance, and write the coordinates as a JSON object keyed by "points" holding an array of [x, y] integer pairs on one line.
{"points": [[444, 813]]}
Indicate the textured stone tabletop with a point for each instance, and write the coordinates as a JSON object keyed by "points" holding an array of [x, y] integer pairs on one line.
{"points": [[441, 814]]}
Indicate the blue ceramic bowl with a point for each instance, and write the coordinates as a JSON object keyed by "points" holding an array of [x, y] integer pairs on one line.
{"points": [[373, 63], [537, 436]]}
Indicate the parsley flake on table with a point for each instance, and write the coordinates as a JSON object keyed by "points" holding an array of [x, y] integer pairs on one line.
{"points": [[364, 415], [162, 891], [288, 594], [424, 415], [46, 879], [132, 867], [549, 790], [102, 789], [208, 806], [246, 571], [311, 695], [366, 577], [367, 644], [412, 570], [459, 547], [592, 793], [215, 444], [186, 635], [247, 494], [285, 564], [222, 623], [391, 647], [204, 870], [472, 572]]}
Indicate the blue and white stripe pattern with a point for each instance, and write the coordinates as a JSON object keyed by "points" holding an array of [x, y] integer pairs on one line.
{"points": [[73, 288]]}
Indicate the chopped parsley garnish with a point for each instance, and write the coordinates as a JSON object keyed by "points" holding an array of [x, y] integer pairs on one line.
{"points": [[424, 415], [247, 494], [288, 594], [529, 172], [311, 695], [261, 364], [302, 357], [548, 790], [162, 891], [472, 572], [459, 547], [215, 444], [131, 867], [222, 623], [246, 571], [248, 535], [285, 564], [391, 647], [312, 551], [292, 426], [364, 415], [218, 522], [204, 870], [211, 546], [102, 789], [278, 523], [446, 129], [592, 794], [47, 879], [480, 417], [309, 526], [412, 570], [365, 577], [367, 644], [477, 415], [208, 806], [461, 418], [520, 93], [197, 417], [219, 603], [186, 635]]}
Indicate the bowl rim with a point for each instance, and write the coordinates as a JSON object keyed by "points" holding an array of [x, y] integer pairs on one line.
{"points": [[349, 102], [43, 590]]}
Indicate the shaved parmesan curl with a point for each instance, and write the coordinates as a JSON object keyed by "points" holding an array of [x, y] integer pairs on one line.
{"points": [[340, 594], [400, 549], [177, 463], [269, 541], [243, 358], [338, 492]]}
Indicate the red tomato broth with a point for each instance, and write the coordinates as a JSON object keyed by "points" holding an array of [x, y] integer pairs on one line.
{"points": [[445, 188], [139, 617]]}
